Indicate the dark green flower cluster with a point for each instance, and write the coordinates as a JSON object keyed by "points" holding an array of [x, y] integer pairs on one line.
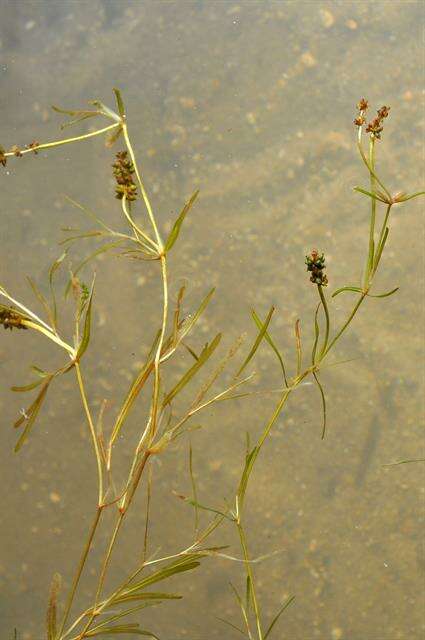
{"points": [[316, 265], [123, 172]]}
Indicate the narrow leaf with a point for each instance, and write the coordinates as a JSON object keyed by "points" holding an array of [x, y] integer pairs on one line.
{"points": [[277, 616], [205, 354], [257, 341], [355, 289], [31, 415], [87, 327], [272, 344], [51, 609], [383, 295], [174, 234], [190, 322], [120, 103], [374, 196], [322, 395]]}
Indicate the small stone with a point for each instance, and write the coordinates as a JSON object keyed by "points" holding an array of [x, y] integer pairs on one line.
{"points": [[54, 497], [29, 25], [215, 465], [407, 95], [187, 103], [327, 17], [308, 59], [351, 24]]}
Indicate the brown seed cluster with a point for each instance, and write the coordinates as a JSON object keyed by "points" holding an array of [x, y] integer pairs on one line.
{"points": [[124, 171], [316, 265], [10, 319], [375, 126]]}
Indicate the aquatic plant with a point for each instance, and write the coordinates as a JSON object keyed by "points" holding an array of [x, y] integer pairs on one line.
{"points": [[109, 611]]}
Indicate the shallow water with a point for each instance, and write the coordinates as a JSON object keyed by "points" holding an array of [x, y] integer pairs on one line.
{"points": [[251, 102]]}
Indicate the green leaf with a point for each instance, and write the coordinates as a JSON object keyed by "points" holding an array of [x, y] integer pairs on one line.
{"points": [[316, 334], [186, 563], [230, 624], [355, 289], [88, 213], [51, 609], [174, 234], [277, 616], [120, 103], [383, 295], [28, 387], [394, 464], [105, 111], [87, 234], [375, 196], [87, 327], [242, 608], [125, 628], [381, 248], [135, 389], [105, 624], [205, 354], [81, 114], [147, 595], [322, 395], [190, 322], [52, 271], [271, 343], [112, 137], [243, 483], [31, 414], [260, 336], [40, 297], [198, 505]]}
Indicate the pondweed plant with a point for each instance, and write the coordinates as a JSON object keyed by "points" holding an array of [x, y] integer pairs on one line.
{"points": [[114, 612]]}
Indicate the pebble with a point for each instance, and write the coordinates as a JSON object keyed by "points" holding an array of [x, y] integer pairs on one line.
{"points": [[54, 497], [327, 17], [308, 59]]}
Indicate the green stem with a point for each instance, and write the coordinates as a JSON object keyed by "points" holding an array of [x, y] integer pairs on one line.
{"points": [[326, 310], [345, 325], [80, 570], [381, 240], [58, 143], [250, 575], [92, 432], [371, 252]]}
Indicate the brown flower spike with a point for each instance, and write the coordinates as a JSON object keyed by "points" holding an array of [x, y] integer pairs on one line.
{"points": [[123, 171], [316, 264]]}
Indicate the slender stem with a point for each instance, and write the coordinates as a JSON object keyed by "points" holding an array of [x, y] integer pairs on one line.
{"points": [[92, 432], [101, 581], [153, 249], [250, 575], [371, 170], [371, 252], [80, 569], [381, 239], [50, 335], [58, 143], [345, 325], [156, 385], [142, 188], [327, 326]]}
